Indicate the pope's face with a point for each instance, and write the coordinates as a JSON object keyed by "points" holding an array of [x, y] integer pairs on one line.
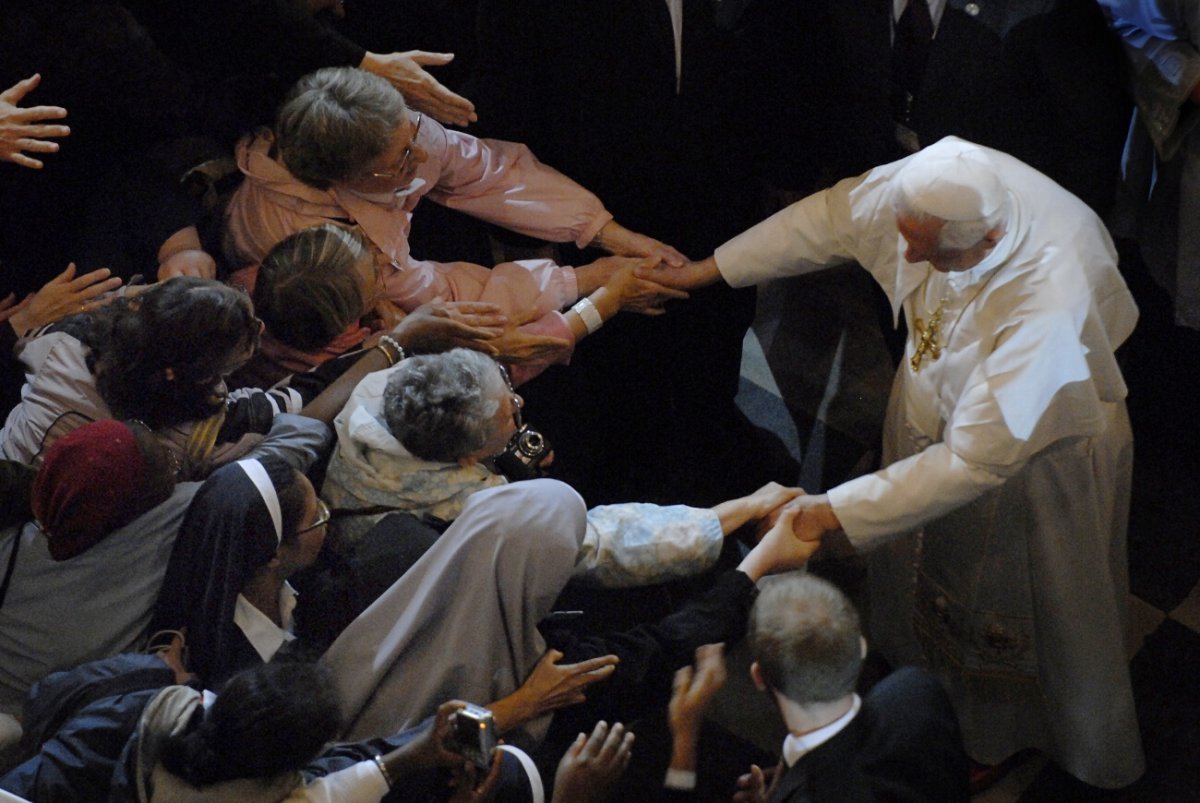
{"points": [[923, 238]]}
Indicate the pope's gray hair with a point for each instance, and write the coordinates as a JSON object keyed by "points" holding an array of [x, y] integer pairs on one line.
{"points": [[956, 235]]}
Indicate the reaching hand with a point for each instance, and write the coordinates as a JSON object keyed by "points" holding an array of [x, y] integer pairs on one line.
{"points": [[616, 239], [592, 764], [550, 686], [22, 130], [780, 549], [62, 296], [761, 505], [443, 325], [467, 789], [640, 295], [518, 346], [406, 72], [693, 693], [814, 518], [757, 785], [685, 277]]}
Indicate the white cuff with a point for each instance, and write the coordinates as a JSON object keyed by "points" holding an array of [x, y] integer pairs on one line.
{"points": [[680, 779]]}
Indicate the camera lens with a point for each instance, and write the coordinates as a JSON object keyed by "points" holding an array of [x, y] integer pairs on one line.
{"points": [[532, 443]]}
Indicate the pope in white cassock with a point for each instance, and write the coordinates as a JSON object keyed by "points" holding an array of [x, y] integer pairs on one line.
{"points": [[996, 533]]}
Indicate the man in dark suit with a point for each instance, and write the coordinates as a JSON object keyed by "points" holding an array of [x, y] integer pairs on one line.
{"points": [[900, 742], [644, 102]]}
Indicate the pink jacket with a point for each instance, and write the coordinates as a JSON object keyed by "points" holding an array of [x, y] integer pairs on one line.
{"points": [[500, 182]]}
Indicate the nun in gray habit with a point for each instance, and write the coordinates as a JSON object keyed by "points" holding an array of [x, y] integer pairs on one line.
{"points": [[462, 622]]}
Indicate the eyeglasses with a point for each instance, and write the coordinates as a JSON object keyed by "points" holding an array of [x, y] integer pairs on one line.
{"points": [[517, 401], [323, 517], [399, 169]]}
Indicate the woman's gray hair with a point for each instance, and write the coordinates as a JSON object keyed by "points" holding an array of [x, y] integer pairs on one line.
{"points": [[334, 122], [442, 407]]}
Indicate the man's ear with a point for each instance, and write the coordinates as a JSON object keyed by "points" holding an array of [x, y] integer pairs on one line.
{"points": [[992, 236], [757, 676], [467, 461]]}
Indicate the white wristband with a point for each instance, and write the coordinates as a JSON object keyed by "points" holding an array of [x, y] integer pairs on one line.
{"points": [[588, 313]]}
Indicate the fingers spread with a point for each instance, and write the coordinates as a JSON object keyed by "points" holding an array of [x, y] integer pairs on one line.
{"points": [[592, 664]]}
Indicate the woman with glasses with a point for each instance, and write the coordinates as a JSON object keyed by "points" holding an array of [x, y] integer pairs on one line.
{"points": [[250, 527], [347, 149], [80, 572], [420, 438]]}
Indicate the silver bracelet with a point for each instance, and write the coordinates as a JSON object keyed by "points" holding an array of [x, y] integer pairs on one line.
{"points": [[588, 313], [387, 776]]}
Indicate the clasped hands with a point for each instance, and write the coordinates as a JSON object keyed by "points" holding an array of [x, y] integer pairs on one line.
{"points": [[776, 507], [810, 516]]}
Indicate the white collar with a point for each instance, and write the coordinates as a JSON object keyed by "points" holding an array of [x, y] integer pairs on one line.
{"points": [[936, 7], [795, 747], [263, 634]]}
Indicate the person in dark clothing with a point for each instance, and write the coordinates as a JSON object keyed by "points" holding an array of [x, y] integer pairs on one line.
{"points": [[900, 742]]}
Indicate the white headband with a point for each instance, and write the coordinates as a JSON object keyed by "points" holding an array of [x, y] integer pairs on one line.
{"points": [[258, 475]]}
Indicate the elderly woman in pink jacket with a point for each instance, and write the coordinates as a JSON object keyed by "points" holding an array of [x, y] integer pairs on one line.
{"points": [[347, 149]]}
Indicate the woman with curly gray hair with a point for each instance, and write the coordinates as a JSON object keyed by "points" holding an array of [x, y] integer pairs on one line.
{"points": [[419, 437]]}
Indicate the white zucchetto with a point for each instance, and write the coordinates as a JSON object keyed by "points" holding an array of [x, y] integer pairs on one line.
{"points": [[951, 179]]}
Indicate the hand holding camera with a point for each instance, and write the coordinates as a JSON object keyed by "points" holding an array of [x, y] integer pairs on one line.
{"points": [[472, 734]]}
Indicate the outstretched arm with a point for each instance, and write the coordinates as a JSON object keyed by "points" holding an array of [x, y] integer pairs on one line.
{"points": [[616, 239]]}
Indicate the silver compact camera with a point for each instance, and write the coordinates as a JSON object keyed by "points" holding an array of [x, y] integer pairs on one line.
{"points": [[522, 457], [473, 734]]}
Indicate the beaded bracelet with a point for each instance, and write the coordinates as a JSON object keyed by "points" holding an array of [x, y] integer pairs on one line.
{"points": [[395, 356]]}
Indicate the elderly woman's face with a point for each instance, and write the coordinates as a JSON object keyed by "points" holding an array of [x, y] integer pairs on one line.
{"points": [[504, 424], [396, 167]]}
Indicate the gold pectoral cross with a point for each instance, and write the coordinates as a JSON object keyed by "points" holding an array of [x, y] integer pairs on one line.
{"points": [[927, 337]]}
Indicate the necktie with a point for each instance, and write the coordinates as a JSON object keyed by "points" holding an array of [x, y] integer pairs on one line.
{"points": [[910, 51]]}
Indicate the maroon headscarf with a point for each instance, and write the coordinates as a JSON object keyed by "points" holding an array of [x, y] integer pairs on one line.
{"points": [[91, 483]]}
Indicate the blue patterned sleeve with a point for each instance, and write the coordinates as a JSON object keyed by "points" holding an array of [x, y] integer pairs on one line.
{"points": [[640, 544]]}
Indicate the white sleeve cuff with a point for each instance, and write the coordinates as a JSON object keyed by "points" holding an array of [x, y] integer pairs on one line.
{"points": [[680, 779]]}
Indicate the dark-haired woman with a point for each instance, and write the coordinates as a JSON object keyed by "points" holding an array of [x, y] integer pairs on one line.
{"points": [[160, 357], [120, 732]]}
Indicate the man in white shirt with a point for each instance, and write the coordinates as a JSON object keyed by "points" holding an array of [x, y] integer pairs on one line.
{"points": [[997, 528]]}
